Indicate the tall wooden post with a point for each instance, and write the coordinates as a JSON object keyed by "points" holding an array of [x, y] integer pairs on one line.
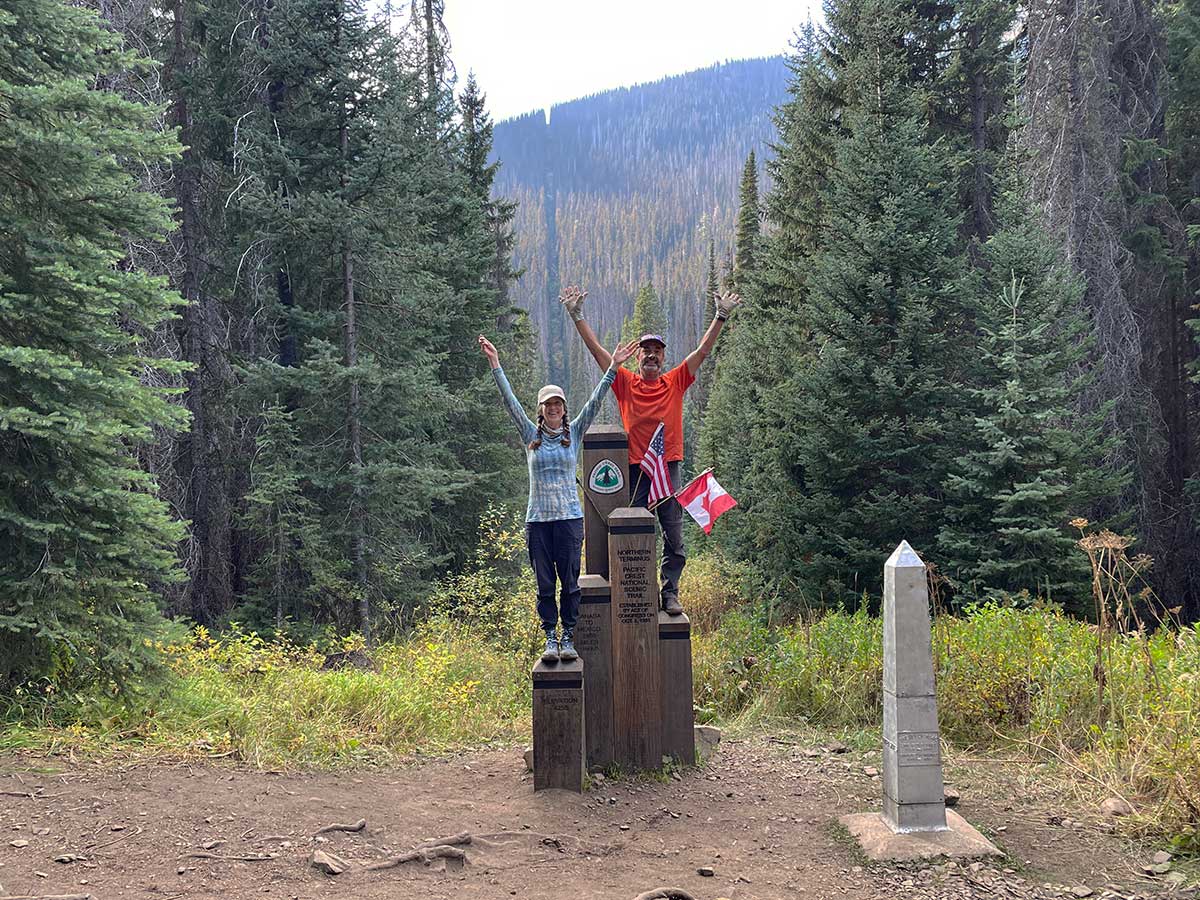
{"points": [[675, 665], [593, 640], [605, 462], [637, 703]]}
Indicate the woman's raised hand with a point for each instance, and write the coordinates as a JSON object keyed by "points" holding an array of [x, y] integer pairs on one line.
{"points": [[622, 353], [489, 350]]}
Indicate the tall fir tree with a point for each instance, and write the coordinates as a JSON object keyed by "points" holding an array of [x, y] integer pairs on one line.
{"points": [[1030, 461], [84, 541], [648, 317], [746, 239], [871, 426]]}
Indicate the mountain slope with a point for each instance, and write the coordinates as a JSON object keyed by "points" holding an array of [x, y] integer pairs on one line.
{"points": [[627, 187]]}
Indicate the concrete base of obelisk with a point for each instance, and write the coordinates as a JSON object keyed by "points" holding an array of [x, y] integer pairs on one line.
{"points": [[959, 840]]}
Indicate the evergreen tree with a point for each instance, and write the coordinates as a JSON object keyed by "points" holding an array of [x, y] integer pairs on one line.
{"points": [[295, 573], [873, 423], [83, 539], [1030, 462], [648, 317], [513, 335], [746, 238], [702, 390]]}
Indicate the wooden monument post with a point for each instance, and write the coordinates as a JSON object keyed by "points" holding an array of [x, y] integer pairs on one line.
{"points": [[675, 667], [605, 462], [637, 703], [593, 640], [558, 726]]}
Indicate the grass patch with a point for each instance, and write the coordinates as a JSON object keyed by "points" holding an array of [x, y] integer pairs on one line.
{"points": [[1018, 680], [1022, 679]]}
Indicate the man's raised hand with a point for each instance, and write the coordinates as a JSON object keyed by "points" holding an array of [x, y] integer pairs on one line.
{"points": [[572, 300], [489, 350], [622, 353], [727, 302]]}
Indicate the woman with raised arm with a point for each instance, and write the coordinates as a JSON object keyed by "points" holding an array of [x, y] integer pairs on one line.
{"points": [[554, 518]]}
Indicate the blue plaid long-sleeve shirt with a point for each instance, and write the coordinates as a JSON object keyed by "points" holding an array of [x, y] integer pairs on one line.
{"points": [[552, 492]]}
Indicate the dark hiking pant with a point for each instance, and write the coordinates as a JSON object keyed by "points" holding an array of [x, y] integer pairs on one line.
{"points": [[670, 516], [554, 553]]}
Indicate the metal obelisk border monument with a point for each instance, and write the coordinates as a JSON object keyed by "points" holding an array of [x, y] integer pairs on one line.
{"points": [[915, 823]]}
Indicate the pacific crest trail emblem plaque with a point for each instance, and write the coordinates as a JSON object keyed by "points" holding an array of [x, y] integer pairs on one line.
{"points": [[606, 477]]}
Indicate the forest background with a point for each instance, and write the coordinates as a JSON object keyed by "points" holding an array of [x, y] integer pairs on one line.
{"points": [[248, 247]]}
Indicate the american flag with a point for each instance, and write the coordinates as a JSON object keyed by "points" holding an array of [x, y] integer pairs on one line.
{"points": [[654, 464]]}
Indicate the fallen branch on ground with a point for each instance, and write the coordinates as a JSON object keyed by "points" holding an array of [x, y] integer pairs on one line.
{"points": [[463, 837], [48, 897], [257, 857], [357, 826], [424, 854]]}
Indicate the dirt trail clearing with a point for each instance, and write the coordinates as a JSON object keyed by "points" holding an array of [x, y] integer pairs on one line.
{"points": [[760, 815]]}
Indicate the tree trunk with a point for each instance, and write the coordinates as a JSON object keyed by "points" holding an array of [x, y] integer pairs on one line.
{"points": [[201, 462], [353, 410]]}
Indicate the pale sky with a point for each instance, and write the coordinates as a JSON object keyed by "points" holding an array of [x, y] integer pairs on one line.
{"points": [[530, 54]]}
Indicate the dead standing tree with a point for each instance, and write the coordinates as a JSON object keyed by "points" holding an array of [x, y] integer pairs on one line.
{"points": [[1094, 105]]}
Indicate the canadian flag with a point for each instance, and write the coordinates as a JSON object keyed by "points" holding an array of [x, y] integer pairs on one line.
{"points": [[704, 500]]}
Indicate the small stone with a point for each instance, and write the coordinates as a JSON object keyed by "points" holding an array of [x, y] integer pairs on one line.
{"points": [[871, 771], [21, 842], [1157, 868], [976, 867], [42, 874], [837, 747], [41, 832], [116, 828], [707, 737], [179, 870], [1115, 806], [598, 778], [624, 827], [209, 845], [328, 863], [1081, 890], [951, 796], [528, 755], [706, 871], [1161, 856]]}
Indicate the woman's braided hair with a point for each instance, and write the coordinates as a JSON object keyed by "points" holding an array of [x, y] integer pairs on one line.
{"points": [[566, 432]]}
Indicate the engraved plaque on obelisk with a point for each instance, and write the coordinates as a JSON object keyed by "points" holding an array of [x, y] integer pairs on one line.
{"points": [[913, 798], [637, 708]]}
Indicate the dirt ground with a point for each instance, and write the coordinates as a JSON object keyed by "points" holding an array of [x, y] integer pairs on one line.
{"points": [[760, 813]]}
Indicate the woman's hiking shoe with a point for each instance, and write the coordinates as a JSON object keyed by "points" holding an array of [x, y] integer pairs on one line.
{"points": [[550, 654], [566, 649]]}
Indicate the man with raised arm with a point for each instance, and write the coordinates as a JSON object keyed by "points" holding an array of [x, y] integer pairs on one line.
{"points": [[645, 399]]}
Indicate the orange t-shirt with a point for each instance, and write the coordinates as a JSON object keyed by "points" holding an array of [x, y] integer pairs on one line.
{"points": [[644, 404]]}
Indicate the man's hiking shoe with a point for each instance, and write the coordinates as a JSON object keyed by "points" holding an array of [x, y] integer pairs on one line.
{"points": [[550, 654], [672, 606], [566, 649]]}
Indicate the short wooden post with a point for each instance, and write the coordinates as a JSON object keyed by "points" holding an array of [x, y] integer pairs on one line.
{"points": [[593, 640], [558, 726], [675, 665], [605, 462], [637, 705]]}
